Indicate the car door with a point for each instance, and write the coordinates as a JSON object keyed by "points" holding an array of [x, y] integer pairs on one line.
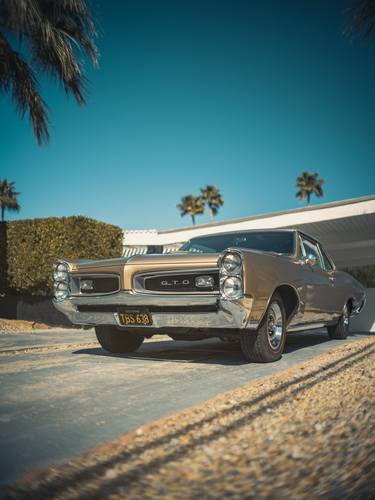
{"points": [[335, 297], [319, 288]]}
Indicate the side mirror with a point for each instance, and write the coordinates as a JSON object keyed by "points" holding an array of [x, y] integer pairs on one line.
{"points": [[311, 259]]}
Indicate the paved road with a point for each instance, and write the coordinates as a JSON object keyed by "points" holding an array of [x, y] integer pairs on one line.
{"points": [[60, 393]]}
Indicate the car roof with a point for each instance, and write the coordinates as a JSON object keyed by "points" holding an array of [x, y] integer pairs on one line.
{"points": [[276, 230], [271, 230]]}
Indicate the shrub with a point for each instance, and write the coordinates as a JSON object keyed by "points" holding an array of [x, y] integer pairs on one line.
{"points": [[33, 245]]}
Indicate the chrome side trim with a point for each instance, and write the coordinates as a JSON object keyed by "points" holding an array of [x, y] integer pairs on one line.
{"points": [[253, 324], [308, 326], [78, 293], [139, 279]]}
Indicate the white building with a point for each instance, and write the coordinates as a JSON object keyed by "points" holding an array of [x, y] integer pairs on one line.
{"points": [[346, 228]]}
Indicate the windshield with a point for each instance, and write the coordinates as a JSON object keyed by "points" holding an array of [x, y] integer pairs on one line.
{"points": [[281, 242]]}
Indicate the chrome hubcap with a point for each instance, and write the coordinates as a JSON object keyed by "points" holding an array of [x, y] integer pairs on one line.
{"points": [[274, 325]]}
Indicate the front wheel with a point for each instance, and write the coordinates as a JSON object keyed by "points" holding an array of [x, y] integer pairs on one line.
{"points": [[267, 343], [341, 330], [118, 341]]}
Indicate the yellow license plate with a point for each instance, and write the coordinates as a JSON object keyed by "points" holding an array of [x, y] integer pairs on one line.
{"points": [[135, 318]]}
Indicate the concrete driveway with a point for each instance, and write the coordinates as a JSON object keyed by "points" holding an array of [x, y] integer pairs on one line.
{"points": [[60, 393]]}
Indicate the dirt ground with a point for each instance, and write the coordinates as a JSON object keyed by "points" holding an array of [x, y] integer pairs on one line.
{"points": [[307, 431], [17, 325]]}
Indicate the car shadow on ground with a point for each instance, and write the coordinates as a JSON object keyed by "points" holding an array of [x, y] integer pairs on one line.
{"points": [[206, 351]]}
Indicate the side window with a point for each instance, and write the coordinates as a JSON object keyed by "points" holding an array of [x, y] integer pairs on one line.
{"points": [[326, 262], [302, 253], [312, 249]]}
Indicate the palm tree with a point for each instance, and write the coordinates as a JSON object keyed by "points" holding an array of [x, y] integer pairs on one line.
{"points": [[308, 184], [362, 19], [211, 195], [8, 197], [191, 205], [51, 36]]}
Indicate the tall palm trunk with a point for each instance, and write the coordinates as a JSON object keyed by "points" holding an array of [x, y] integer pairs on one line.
{"points": [[211, 215], [193, 219], [2, 213]]}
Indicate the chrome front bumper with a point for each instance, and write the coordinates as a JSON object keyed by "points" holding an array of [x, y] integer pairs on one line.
{"points": [[224, 314]]}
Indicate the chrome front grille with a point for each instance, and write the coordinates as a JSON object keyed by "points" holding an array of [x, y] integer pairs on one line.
{"points": [[101, 284], [172, 282]]}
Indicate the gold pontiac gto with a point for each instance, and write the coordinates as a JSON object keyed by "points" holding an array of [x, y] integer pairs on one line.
{"points": [[251, 286]]}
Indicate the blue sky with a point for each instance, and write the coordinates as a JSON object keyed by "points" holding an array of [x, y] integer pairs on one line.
{"points": [[241, 94]]}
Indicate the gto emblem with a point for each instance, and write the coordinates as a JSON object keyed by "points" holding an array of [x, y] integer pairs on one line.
{"points": [[174, 282], [204, 282]]}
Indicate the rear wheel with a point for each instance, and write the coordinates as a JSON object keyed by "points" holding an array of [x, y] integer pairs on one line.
{"points": [[341, 330], [267, 343], [118, 341]]}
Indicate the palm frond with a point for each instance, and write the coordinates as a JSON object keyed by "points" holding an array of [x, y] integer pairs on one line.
{"points": [[57, 35], [19, 16], [8, 197], [309, 183], [17, 78], [362, 19], [212, 195], [191, 205], [56, 41]]}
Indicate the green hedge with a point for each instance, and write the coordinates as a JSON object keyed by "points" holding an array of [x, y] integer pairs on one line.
{"points": [[31, 246]]}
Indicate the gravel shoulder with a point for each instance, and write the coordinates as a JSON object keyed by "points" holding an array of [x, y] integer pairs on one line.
{"points": [[307, 430], [23, 326]]}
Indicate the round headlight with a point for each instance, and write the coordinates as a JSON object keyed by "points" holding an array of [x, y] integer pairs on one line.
{"points": [[60, 271], [232, 287], [232, 263], [60, 275], [62, 266], [61, 291]]}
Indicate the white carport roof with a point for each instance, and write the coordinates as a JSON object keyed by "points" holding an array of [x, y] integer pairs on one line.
{"points": [[346, 228]]}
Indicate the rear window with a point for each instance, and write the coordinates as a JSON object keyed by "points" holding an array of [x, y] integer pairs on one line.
{"points": [[281, 242]]}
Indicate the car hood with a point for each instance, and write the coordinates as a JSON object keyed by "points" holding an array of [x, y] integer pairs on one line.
{"points": [[127, 267]]}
